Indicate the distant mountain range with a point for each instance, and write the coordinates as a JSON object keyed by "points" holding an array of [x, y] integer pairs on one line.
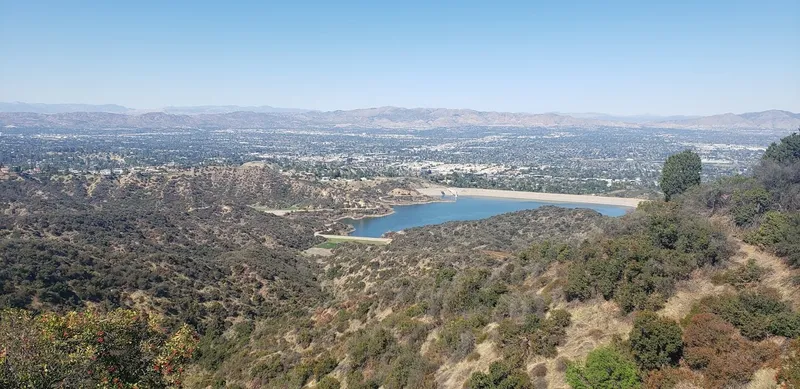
{"points": [[115, 116], [209, 109], [61, 108]]}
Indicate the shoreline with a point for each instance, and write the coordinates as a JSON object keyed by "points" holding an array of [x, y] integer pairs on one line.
{"points": [[536, 196]]}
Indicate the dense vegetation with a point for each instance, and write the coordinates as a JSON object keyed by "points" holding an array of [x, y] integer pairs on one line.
{"points": [[725, 338], [89, 349], [505, 302]]}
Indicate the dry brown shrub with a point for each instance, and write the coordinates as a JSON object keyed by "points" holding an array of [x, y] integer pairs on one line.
{"points": [[716, 348], [671, 378], [539, 370]]}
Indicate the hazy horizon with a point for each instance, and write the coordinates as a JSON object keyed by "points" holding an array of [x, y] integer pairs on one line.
{"points": [[624, 58], [587, 114]]}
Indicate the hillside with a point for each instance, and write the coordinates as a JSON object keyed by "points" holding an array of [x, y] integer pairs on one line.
{"points": [[700, 291]]}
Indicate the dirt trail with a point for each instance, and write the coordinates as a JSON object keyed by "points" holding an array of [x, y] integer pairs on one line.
{"points": [[780, 275]]}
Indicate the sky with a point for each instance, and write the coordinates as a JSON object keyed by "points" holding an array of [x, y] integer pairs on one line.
{"points": [[620, 57]]}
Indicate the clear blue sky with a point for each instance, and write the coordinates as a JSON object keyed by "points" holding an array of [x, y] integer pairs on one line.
{"points": [[623, 57]]}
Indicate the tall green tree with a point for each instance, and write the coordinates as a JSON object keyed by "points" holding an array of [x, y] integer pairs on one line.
{"points": [[681, 172], [785, 152], [655, 341]]}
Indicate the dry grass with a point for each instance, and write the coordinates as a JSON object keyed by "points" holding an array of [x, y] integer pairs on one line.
{"points": [[689, 292], [779, 275], [454, 375], [594, 323], [763, 379]]}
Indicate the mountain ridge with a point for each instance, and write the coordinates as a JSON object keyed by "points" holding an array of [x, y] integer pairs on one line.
{"points": [[387, 117]]}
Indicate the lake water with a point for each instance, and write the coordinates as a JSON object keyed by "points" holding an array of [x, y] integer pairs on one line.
{"points": [[465, 208]]}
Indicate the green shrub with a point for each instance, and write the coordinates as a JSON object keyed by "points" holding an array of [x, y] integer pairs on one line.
{"points": [[328, 382], [748, 204], [500, 376], [655, 341], [370, 345], [773, 229], [780, 233], [638, 265], [409, 370], [324, 365], [605, 368], [757, 314], [534, 336], [742, 276]]}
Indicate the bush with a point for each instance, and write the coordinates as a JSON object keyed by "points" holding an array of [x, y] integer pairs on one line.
{"points": [[742, 276], [780, 233], [652, 249], [605, 368], [757, 314], [748, 204], [534, 336], [773, 229], [90, 349], [324, 365], [500, 376], [457, 337], [328, 382], [655, 341], [714, 347], [370, 345], [409, 370], [671, 377]]}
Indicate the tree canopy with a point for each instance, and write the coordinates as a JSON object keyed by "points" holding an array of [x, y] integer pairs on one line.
{"points": [[787, 151], [681, 172]]}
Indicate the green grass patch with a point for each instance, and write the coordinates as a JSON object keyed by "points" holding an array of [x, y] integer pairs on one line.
{"points": [[327, 245]]}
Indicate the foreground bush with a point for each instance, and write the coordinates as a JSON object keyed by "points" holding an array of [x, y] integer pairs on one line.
{"points": [[122, 348], [715, 348], [605, 368], [655, 341]]}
